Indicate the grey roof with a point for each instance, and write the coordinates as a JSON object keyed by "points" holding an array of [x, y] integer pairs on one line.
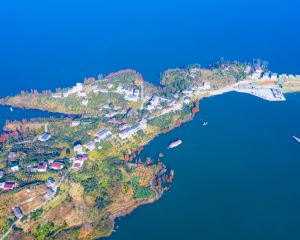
{"points": [[17, 212], [45, 136]]}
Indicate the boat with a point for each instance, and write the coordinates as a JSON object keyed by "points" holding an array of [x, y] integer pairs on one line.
{"points": [[297, 139], [175, 144], [204, 123], [11, 109]]}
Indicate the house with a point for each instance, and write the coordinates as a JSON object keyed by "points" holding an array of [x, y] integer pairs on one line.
{"points": [[57, 166], [131, 97], [128, 132], [123, 127], [45, 137], [204, 86], [78, 148], [11, 156], [121, 90], [188, 91], [14, 166], [95, 89], [153, 103], [51, 182], [290, 76], [79, 160], [266, 76], [7, 185], [247, 69], [82, 157], [110, 114], [17, 212], [85, 102], [65, 93], [102, 134], [42, 167], [103, 90], [187, 100], [90, 145], [274, 76], [77, 88], [75, 123], [50, 193], [57, 95]]}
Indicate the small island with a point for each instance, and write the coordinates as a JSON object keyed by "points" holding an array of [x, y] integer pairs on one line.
{"points": [[70, 177]]}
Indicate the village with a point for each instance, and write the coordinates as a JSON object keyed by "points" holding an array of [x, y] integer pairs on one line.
{"points": [[114, 111]]}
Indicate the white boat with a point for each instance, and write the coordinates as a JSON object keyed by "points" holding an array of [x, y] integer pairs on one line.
{"points": [[175, 144], [297, 139], [11, 109], [204, 123]]}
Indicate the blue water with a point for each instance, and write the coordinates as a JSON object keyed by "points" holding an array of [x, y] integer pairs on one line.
{"points": [[53, 43], [235, 179]]}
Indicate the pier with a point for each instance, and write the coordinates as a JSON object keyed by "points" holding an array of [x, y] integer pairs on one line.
{"points": [[269, 94]]}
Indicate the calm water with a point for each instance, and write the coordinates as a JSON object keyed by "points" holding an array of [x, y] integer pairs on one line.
{"points": [[237, 178]]}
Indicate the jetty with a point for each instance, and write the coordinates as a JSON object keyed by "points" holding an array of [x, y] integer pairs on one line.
{"points": [[268, 93]]}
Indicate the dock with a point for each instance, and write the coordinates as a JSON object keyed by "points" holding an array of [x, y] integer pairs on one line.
{"points": [[269, 94]]}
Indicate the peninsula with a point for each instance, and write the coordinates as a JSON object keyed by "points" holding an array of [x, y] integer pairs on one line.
{"points": [[71, 177]]}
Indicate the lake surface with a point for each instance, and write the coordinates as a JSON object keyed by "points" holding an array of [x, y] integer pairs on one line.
{"points": [[238, 177], [54, 43]]}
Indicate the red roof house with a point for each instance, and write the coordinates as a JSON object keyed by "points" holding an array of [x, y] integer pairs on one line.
{"points": [[57, 166], [8, 185], [42, 167]]}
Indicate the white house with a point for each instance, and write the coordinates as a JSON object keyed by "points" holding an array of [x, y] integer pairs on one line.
{"points": [[205, 86], [57, 95], [131, 97], [14, 167], [78, 148], [75, 123], [85, 102]]}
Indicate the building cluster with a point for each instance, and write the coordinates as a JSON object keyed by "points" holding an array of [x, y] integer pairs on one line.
{"points": [[204, 86], [131, 95], [129, 131], [100, 136], [77, 89], [157, 102]]}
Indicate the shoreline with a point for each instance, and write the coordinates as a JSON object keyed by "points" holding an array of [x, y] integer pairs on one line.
{"points": [[125, 203]]}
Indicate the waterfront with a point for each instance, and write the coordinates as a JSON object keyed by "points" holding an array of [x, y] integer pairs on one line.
{"points": [[236, 178]]}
